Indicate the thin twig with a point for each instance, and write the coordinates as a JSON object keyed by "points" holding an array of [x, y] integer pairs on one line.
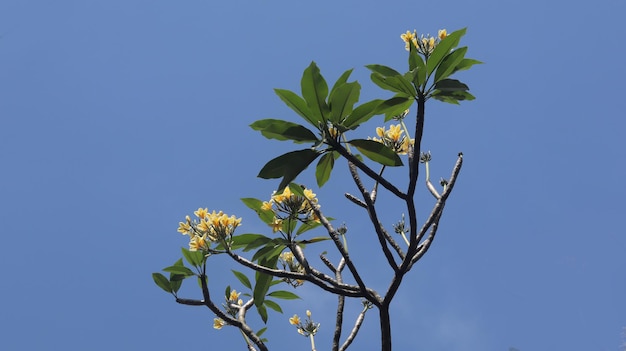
{"points": [[371, 210]]}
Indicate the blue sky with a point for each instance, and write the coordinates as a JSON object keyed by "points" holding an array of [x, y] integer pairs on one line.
{"points": [[118, 118]]}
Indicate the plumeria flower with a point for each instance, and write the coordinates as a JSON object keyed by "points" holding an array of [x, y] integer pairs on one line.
{"points": [[218, 323]]}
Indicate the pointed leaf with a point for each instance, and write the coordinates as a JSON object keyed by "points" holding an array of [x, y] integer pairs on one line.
{"points": [[162, 282], [267, 216], [179, 270], [176, 280], [362, 114], [297, 104], [315, 91], [285, 295], [394, 106], [297, 189], [397, 84], [273, 305], [283, 130], [417, 66], [341, 80], [313, 240], [262, 312], [449, 63], [377, 152], [304, 227], [448, 85], [383, 70], [242, 278], [195, 258], [452, 97], [288, 166], [443, 49], [466, 64], [323, 169], [343, 99]]}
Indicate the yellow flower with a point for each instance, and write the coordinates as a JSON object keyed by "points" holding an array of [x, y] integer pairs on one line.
{"points": [[184, 228], [204, 226], [234, 295], [201, 212], [276, 225], [295, 320], [267, 206], [218, 323], [287, 257], [197, 242], [404, 149], [442, 34], [380, 131], [308, 313], [409, 37], [395, 132]]}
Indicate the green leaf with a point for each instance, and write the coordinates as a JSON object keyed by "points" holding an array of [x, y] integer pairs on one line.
{"points": [[417, 66], [258, 242], [383, 70], [273, 305], [466, 64], [394, 106], [305, 227], [263, 281], [262, 312], [195, 258], [179, 270], [340, 81], [397, 84], [452, 97], [242, 240], [283, 130], [261, 331], [443, 49], [243, 279], [324, 167], [227, 292], [272, 248], [315, 91], [390, 79], [297, 189], [176, 280], [377, 152], [288, 166], [313, 240], [283, 294], [449, 63], [297, 104], [362, 114], [448, 85], [343, 99], [162, 282], [267, 216]]}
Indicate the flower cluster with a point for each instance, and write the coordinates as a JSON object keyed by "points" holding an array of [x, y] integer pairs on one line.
{"points": [[232, 308], [393, 139], [208, 227], [308, 327], [288, 205], [425, 44], [287, 260]]}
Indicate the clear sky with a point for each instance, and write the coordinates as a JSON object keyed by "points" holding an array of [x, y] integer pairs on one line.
{"points": [[118, 118]]}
